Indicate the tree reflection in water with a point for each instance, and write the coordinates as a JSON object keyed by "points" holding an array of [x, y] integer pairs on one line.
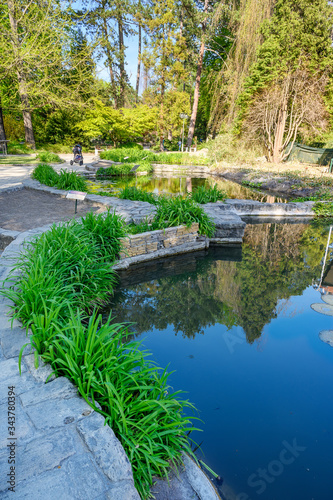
{"points": [[223, 286]]}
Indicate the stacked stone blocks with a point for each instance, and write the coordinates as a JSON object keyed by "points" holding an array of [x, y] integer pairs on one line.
{"points": [[152, 241]]}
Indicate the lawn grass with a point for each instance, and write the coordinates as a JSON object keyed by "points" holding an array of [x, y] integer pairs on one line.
{"points": [[18, 160]]}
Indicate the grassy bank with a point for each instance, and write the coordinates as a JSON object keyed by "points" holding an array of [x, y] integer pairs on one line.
{"points": [[65, 275]]}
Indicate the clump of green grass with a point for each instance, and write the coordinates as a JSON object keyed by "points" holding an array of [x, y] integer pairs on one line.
{"points": [[323, 210], [106, 173], [70, 180], [175, 211], [127, 155], [47, 156], [135, 194], [208, 194], [64, 273], [45, 174]]}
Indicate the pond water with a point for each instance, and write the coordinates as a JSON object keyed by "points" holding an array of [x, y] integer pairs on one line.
{"points": [[237, 326], [180, 185]]}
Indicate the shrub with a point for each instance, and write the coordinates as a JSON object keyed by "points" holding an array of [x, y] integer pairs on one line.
{"points": [[46, 156], [133, 193], [45, 174], [208, 194], [17, 148]]}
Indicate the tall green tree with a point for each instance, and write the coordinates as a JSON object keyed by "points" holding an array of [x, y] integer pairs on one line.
{"points": [[36, 58], [285, 89], [166, 53]]}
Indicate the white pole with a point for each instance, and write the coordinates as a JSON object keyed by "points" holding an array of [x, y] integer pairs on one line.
{"points": [[183, 136]]}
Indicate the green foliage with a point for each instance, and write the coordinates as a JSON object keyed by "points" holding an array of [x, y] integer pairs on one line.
{"points": [[101, 121], [65, 180], [46, 156], [208, 194], [177, 211], [138, 404], [106, 173], [127, 155], [45, 174], [67, 269], [106, 230], [133, 193], [70, 180], [323, 209], [16, 148], [136, 156]]}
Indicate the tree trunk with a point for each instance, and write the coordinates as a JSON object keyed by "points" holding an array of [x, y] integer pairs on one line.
{"points": [[109, 60], [279, 133], [2, 126], [28, 128], [139, 67], [197, 83], [121, 63], [162, 117]]}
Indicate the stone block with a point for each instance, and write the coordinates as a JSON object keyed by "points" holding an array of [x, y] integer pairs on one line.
{"points": [[24, 430], [58, 412], [41, 373], [13, 340], [22, 383], [59, 388], [10, 369], [152, 247], [7, 322], [124, 490], [107, 450], [40, 455]]}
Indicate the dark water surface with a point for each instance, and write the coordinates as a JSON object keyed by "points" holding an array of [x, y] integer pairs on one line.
{"points": [[237, 327]]}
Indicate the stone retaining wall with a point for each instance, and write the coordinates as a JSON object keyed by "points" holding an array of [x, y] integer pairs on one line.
{"points": [[152, 241]]}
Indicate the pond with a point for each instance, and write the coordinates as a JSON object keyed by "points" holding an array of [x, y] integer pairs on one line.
{"points": [[181, 184], [237, 327]]}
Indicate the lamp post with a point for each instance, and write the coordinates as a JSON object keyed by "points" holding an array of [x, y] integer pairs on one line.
{"points": [[184, 117]]}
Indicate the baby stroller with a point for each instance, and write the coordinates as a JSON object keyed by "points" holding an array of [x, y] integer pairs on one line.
{"points": [[77, 152]]}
